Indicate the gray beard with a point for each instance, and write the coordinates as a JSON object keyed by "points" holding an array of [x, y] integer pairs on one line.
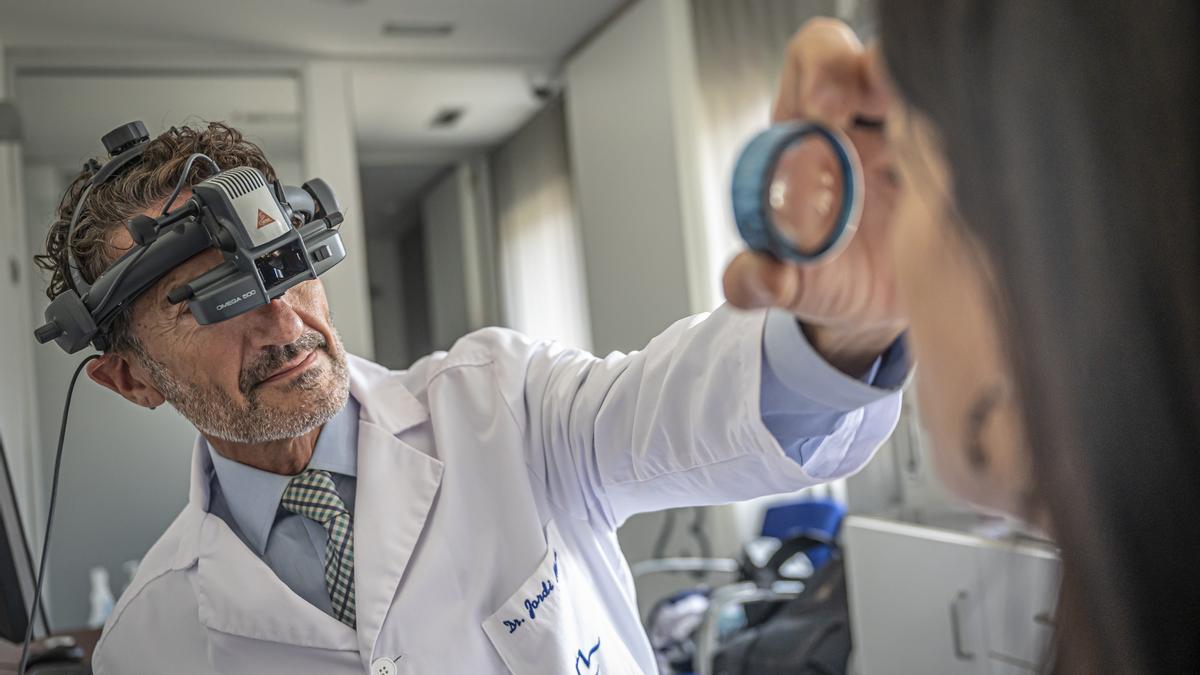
{"points": [[320, 394]]}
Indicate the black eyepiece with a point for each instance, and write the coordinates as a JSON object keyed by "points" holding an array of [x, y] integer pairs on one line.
{"points": [[179, 294], [125, 137], [142, 228]]}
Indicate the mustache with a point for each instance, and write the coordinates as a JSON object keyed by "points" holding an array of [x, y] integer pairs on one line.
{"points": [[273, 358]]}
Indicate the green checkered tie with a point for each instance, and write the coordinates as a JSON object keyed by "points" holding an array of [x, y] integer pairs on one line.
{"points": [[313, 495]]}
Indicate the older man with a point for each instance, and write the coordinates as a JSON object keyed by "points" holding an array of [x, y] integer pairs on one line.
{"points": [[460, 516]]}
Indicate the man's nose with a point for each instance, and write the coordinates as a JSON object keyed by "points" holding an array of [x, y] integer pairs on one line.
{"points": [[275, 323]]}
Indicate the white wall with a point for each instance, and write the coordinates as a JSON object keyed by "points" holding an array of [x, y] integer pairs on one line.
{"points": [[18, 399], [330, 153], [459, 254], [624, 136], [389, 314], [442, 217]]}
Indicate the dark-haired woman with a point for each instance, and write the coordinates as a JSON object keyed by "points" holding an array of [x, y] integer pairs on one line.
{"points": [[1036, 182]]}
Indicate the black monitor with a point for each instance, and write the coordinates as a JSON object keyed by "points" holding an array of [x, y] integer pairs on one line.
{"points": [[16, 565]]}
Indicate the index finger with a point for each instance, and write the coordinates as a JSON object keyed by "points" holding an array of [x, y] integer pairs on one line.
{"points": [[824, 75]]}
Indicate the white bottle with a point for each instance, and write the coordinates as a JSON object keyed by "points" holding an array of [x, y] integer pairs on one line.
{"points": [[130, 567], [102, 598]]}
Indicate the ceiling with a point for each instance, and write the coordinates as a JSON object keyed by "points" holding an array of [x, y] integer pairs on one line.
{"points": [[484, 31], [58, 131], [394, 107], [89, 50]]}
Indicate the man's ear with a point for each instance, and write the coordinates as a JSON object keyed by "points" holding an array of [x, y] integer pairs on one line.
{"points": [[115, 372]]}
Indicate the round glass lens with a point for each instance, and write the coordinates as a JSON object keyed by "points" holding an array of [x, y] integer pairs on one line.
{"points": [[805, 194]]}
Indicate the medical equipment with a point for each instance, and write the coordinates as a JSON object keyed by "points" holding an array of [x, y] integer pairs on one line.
{"points": [[16, 563], [798, 192], [271, 237], [58, 654], [796, 541]]}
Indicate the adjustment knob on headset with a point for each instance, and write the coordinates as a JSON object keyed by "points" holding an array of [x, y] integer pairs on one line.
{"points": [[124, 137], [68, 322], [225, 240], [47, 332]]}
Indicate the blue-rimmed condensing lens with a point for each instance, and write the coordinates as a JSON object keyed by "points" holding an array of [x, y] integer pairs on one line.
{"points": [[798, 191]]}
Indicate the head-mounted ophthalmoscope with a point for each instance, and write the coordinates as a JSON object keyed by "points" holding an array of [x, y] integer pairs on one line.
{"points": [[271, 237]]}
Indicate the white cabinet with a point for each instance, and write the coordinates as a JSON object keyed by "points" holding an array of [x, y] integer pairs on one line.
{"points": [[1018, 589], [926, 600]]}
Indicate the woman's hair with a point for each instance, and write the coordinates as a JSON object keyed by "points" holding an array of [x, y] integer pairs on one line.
{"points": [[1071, 131], [145, 183]]}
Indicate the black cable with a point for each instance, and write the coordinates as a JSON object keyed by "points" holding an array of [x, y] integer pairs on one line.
{"points": [[699, 522], [699, 516], [37, 592], [187, 167]]}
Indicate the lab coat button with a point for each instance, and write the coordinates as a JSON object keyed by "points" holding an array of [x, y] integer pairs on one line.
{"points": [[383, 666]]}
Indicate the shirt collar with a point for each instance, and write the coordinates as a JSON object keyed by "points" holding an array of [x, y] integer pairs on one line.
{"points": [[337, 446], [253, 494]]}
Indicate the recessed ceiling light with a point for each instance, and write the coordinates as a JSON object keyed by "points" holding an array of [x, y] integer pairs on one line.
{"points": [[417, 29], [447, 117]]}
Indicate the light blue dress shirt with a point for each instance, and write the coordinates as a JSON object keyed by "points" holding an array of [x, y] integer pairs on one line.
{"points": [[803, 399]]}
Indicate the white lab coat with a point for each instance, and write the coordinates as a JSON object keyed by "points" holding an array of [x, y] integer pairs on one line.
{"points": [[491, 481]]}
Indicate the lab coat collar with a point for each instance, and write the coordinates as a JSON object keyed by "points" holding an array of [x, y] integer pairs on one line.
{"points": [[385, 401], [396, 488], [397, 485]]}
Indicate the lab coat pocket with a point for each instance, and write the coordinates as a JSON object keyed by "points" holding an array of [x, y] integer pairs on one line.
{"points": [[555, 623]]}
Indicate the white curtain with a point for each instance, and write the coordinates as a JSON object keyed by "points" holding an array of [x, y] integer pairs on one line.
{"points": [[541, 262]]}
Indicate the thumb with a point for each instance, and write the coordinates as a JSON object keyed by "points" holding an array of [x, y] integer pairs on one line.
{"points": [[754, 280]]}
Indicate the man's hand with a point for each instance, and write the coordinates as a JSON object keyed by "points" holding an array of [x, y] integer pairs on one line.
{"points": [[847, 305]]}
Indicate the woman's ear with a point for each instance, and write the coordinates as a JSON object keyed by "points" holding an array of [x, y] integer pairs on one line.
{"points": [[115, 372]]}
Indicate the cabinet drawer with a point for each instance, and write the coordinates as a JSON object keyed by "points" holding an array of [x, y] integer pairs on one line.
{"points": [[1019, 588]]}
